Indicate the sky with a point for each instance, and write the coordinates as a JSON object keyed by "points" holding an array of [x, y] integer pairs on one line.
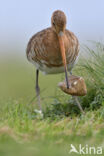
{"points": [[20, 19]]}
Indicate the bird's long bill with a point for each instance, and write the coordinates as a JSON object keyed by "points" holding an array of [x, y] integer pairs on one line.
{"points": [[62, 48]]}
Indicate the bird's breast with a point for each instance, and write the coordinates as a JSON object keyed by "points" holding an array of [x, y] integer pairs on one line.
{"points": [[44, 52]]}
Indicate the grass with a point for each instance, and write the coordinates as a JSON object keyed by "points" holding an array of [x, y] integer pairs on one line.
{"points": [[22, 132]]}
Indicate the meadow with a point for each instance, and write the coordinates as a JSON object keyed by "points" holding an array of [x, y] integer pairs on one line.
{"points": [[23, 132]]}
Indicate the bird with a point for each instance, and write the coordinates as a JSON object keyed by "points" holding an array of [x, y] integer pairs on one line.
{"points": [[53, 50]]}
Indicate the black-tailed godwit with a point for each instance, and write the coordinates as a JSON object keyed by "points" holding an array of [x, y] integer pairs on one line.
{"points": [[53, 50]]}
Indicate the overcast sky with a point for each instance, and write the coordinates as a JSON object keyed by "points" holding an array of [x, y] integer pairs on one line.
{"points": [[20, 19]]}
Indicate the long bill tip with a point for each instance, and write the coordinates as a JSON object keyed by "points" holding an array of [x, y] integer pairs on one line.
{"points": [[62, 49], [66, 77]]}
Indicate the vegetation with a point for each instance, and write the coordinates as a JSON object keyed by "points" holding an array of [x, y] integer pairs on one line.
{"points": [[25, 132]]}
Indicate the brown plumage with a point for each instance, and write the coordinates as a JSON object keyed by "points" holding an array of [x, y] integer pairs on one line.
{"points": [[53, 50], [43, 49]]}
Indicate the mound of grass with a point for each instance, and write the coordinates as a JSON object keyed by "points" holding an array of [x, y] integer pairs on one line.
{"points": [[92, 68]]}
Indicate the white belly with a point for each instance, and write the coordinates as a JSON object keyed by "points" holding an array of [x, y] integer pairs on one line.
{"points": [[52, 70]]}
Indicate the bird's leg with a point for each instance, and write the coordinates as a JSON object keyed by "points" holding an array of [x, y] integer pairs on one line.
{"points": [[70, 72], [38, 89], [77, 101], [78, 104]]}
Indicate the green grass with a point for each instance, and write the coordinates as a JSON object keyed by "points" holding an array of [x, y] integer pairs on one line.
{"points": [[22, 132]]}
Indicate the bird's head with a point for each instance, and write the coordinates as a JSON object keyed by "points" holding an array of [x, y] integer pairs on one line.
{"points": [[58, 22]]}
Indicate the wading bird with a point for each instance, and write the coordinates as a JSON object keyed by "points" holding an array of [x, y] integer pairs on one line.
{"points": [[53, 50]]}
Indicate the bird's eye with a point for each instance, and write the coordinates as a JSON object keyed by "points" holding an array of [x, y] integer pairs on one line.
{"points": [[54, 23]]}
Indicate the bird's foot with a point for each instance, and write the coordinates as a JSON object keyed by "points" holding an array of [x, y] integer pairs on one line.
{"points": [[38, 113]]}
